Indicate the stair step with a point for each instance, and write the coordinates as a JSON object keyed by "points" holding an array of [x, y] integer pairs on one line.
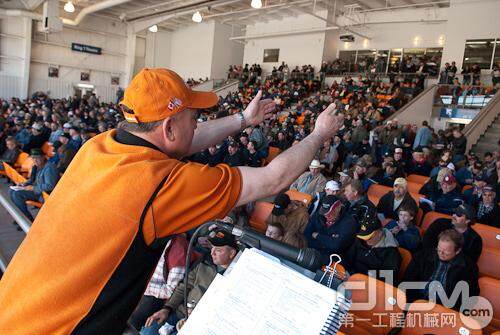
{"points": [[490, 136], [483, 147]]}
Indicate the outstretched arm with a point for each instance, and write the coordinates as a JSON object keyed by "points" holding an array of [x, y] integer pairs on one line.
{"points": [[262, 182], [213, 132]]}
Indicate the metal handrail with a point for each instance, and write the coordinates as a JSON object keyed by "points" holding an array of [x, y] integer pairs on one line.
{"points": [[477, 126], [20, 219], [16, 213]]}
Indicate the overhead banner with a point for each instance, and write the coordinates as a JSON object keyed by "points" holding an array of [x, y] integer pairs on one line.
{"points": [[86, 48]]}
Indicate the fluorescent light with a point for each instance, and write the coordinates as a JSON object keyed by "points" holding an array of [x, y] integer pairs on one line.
{"points": [[197, 17], [69, 7], [256, 4], [85, 86], [153, 28]]}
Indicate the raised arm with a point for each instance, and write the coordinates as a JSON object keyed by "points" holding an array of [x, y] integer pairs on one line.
{"points": [[213, 132], [262, 182]]}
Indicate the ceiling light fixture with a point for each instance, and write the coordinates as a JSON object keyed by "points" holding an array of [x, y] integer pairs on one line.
{"points": [[197, 17], [69, 7], [256, 4], [153, 28]]}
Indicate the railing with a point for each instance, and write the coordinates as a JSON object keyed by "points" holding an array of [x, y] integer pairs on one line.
{"points": [[416, 110], [229, 87], [482, 121], [20, 219], [463, 96]]}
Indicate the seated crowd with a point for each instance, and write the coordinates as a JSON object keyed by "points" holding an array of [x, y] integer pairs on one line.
{"points": [[338, 212]]}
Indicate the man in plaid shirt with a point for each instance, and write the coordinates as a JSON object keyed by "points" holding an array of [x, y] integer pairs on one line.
{"points": [[168, 273]]}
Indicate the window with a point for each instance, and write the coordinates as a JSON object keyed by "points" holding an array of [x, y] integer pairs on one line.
{"points": [[479, 52], [348, 59], [271, 55], [365, 59]]}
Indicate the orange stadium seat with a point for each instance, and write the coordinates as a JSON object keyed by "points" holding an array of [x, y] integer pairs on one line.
{"points": [[430, 217], [20, 160], [489, 234], [489, 263], [27, 166], [47, 149], [273, 152], [260, 213], [415, 178], [415, 325], [378, 191], [372, 320], [417, 197], [302, 197], [13, 175], [414, 187], [490, 289]]}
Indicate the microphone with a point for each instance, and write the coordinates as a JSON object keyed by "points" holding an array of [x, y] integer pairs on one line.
{"points": [[306, 258]]}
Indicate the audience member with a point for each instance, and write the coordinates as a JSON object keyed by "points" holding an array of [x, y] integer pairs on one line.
{"points": [[462, 219], [223, 251], [404, 229], [312, 181], [488, 211], [44, 177], [444, 265], [392, 201], [374, 249]]}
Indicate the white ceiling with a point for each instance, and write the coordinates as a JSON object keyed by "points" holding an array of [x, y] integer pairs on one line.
{"points": [[232, 12]]}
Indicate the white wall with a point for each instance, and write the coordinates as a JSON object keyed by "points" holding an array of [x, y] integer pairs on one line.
{"points": [[158, 49], [15, 49], [225, 52], [294, 49], [471, 19], [191, 50], [384, 35], [55, 50]]}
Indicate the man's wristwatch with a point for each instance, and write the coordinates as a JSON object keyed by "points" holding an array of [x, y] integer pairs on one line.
{"points": [[242, 119]]}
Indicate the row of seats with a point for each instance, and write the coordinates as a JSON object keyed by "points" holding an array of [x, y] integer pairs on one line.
{"points": [[387, 313]]}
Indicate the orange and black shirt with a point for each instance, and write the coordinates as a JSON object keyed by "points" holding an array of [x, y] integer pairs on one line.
{"points": [[88, 257]]}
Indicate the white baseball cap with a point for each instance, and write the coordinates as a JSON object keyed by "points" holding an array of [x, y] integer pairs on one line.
{"points": [[332, 185]]}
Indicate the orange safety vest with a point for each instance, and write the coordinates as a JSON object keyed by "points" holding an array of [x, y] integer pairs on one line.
{"points": [[89, 255]]}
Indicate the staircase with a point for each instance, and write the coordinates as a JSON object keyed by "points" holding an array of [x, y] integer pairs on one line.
{"points": [[489, 140]]}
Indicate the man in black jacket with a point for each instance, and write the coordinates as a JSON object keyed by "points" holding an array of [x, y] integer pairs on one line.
{"points": [[374, 249], [360, 206], [390, 203], [461, 221], [331, 229], [447, 265]]}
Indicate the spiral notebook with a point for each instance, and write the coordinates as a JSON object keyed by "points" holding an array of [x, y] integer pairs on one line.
{"points": [[261, 296]]}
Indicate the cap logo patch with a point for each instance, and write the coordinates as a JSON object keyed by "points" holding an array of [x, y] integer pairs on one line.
{"points": [[174, 103]]}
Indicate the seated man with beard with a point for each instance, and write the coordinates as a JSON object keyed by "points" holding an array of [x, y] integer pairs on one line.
{"points": [[391, 202]]}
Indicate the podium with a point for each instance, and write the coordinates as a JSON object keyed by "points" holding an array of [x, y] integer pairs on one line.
{"points": [[259, 295]]}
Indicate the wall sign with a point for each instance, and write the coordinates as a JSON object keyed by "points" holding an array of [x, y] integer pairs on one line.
{"points": [[86, 48]]}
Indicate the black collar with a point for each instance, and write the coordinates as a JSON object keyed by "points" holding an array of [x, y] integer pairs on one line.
{"points": [[124, 137]]}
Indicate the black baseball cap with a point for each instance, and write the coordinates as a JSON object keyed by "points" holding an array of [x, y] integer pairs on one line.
{"points": [[368, 227], [466, 210], [220, 238], [280, 204]]}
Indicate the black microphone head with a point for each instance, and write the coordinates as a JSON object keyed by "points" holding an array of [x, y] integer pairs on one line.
{"points": [[310, 259]]}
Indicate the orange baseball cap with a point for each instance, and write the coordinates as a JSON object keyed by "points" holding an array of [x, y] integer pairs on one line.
{"points": [[155, 94]]}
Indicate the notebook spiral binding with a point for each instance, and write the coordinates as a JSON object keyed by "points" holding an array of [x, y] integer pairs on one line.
{"points": [[336, 316]]}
